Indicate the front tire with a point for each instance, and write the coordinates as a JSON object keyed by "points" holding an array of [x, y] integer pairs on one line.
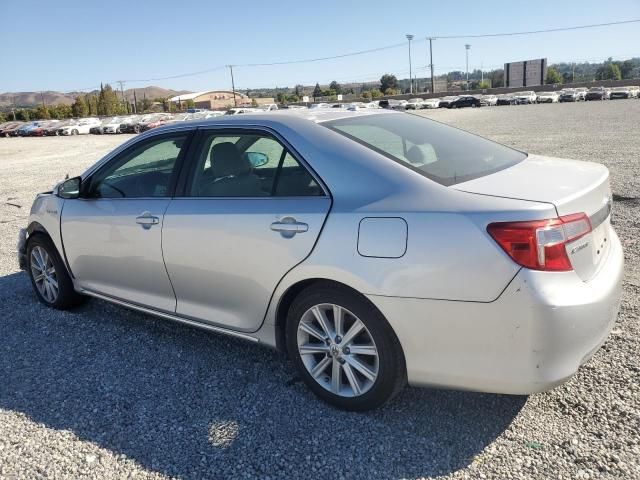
{"points": [[344, 349], [49, 277]]}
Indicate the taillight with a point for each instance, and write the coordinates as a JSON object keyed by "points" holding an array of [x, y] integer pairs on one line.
{"points": [[541, 244]]}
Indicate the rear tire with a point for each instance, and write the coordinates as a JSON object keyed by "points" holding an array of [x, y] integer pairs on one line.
{"points": [[49, 277], [329, 364]]}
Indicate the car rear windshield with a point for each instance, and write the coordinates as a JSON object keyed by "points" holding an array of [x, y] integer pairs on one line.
{"points": [[441, 153]]}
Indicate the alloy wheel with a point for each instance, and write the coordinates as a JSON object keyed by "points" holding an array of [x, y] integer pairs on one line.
{"points": [[337, 350], [44, 274]]}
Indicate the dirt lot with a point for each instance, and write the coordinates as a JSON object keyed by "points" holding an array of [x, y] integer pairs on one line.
{"points": [[102, 392]]}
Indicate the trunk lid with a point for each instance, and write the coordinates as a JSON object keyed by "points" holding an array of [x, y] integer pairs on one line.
{"points": [[572, 187]]}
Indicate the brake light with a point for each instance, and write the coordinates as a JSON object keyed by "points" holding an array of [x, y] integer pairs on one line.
{"points": [[541, 244]]}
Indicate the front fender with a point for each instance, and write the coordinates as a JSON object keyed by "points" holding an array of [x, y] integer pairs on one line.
{"points": [[45, 218]]}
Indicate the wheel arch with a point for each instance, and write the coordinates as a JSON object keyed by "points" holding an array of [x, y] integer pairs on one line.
{"points": [[291, 293]]}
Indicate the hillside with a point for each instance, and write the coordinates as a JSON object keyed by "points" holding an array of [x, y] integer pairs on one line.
{"points": [[30, 99]]}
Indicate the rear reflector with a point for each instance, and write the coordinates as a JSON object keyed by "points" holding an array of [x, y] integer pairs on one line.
{"points": [[541, 244]]}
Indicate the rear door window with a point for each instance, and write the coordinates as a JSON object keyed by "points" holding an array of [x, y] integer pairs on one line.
{"points": [[444, 154]]}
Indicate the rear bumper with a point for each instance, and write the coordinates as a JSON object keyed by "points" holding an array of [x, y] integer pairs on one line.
{"points": [[532, 338]]}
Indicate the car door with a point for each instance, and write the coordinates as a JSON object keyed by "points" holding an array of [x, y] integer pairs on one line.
{"points": [[112, 234], [250, 211]]}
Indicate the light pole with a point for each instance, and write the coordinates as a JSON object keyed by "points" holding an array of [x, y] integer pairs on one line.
{"points": [[467, 47], [409, 38]]}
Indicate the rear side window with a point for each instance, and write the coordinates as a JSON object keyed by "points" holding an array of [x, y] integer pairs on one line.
{"points": [[444, 154], [248, 165]]}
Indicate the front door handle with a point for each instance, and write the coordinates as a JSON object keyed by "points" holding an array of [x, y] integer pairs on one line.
{"points": [[288, 227], [147, 220]]}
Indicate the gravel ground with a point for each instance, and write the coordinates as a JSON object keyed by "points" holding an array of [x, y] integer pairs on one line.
{"points": [[102, 392]]}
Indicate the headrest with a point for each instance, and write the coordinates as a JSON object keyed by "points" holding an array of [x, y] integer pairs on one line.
{"points": [[226, 160]]}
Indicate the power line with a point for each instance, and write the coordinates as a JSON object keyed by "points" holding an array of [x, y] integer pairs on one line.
{"points": [[378, 49], [531, 32]]}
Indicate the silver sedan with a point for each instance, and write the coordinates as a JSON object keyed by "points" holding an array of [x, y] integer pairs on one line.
{"points": [[375, 248]]}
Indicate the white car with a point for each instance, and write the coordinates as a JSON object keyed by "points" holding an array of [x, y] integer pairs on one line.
{"points": [[526, 97], [489, 100], [432, 103], [112, 125], [241, 110], [414, 104], [319, 105], [82, 127], [268, 107], [547, 97]]}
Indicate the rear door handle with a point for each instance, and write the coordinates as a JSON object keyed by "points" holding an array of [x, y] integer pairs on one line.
{"points": [[288, 227], [147, 220]]}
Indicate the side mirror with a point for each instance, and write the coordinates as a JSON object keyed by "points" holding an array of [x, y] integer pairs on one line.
{"points": [[69, 188], [257, 159]]}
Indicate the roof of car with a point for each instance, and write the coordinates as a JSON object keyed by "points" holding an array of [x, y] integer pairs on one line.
{"points": [[284, 117]]}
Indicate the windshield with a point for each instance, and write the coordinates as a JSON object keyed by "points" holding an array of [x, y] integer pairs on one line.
{"points": [[444, 154]]}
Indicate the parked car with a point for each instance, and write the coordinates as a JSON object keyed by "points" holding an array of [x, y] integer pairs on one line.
{"points": [[313, 106], [241, 110], [582, 93], [52, 129], [82, 127], [547, 97], [156, 122], [25, 129], [414, 104], [41, 128], [506, 99], [445, 101], [454, 262], [597, 93], [131, 123], [391, 104], [635, 91], [620, 92], [465, 101], [432, 103], [268, 107], [489, 100], [569, 95], [9, 128], [525, 98]]}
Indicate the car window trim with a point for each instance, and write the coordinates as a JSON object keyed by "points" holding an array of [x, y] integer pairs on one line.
{"points": [[191, 162], [175, 174]]}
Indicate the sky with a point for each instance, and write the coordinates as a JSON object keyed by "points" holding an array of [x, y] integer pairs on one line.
{"points": [[76, 45]]}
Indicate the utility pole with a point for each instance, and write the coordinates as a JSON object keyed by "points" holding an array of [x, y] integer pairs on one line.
{"points": [[482, 72], [121, 82], [467, 47], [431, 64], [409, 38], [233, 86]]}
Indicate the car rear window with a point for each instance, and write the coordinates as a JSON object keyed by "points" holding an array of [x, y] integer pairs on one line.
{"points": [[441, 153]]}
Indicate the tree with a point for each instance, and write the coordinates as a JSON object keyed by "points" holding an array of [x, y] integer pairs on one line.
{"points": [[336, 87], [609, 71], [376, 93], [317, 92], [42, 113], [553, 76], [190, 103], [483, 85], [387, 82], [299, 90], [80, 108], [496, 77], [254, 102], [2, 118], [626, 69]]}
